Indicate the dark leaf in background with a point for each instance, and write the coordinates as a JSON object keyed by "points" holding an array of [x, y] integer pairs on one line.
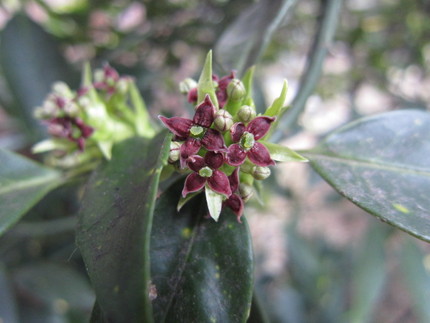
{"points": [[417, 278], [381, 163], [8, 310], [202, 270], [114, 227], [31, 63], [23, 183], [56, 286], [242, 43], [368, 275]]}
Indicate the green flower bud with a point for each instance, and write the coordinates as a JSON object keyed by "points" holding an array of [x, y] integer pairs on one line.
{"points": [[246, 113], [246, 191], [223, 120], [235, 90], [261, 172], [62, 89], [122, 85], [186, 85], [174, 151]]}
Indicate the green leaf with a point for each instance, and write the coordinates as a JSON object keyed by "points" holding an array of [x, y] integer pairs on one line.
{"points": [[55, 285], [282, 153], [368, 275], [8, 308], [205, 84], [114, 228], [277, 106], [201, 269], [31, 61], [381, 163], [247, 81], [143, 123], [23, 183], [243, 42], [417, 278]]}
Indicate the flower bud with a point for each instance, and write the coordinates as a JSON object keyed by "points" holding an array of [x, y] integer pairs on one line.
{"points": [[246, 113], [174, 151], [235, 90], [223, 120], [261, 172], [122, 85], [186, 85], [246, 191]]}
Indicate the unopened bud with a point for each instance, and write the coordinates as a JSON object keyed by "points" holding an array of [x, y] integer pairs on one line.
{"points": [[223, 120], [174, 151], [261, 172], [122, 85], [246, 113], [235, 90], [186, 85], [246, 191], [62, 89]]}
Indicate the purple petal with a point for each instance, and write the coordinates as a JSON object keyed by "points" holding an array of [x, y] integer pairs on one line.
{"points": [[190, 147], [179, 126], [235, 203], [204, 115], [260, 126], [218, 182], [221, 92], [234, 180], [214, 159], [85, 129], [195, 163], [259, 155], [236, 131], [192, 95], [193, 183], [235, 155], [213, 140]]}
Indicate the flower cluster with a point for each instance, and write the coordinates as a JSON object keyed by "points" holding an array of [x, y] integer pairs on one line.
{"points": [[222, 145], [84, 124]]}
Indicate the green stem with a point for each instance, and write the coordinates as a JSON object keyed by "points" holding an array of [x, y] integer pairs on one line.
{"points": [[326, 28]]}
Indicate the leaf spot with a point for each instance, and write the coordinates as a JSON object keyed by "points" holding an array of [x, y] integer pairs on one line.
{"points": [[401, 208], [186, 233]]}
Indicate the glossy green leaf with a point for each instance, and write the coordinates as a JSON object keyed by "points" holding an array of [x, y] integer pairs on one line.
{"points": [[381, 163], [278, 104], [114, 227], [31, 61], [243, 42], [201, 269], [23, 183], [417, 278], [283, 153], [206, 85]]}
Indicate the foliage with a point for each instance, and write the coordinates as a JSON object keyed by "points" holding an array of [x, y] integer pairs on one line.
{"points": [[110, 200]]}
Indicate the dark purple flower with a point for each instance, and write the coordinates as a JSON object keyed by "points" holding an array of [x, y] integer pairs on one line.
{"points": [[196, 132], [205, 170], [221, 91], [246, 145], [235, 202], [73, 129]]}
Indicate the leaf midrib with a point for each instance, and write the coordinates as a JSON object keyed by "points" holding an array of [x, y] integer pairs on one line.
{"points": [[372, 164], [28, 183]]}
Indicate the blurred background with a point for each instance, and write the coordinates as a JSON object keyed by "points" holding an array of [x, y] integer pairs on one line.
{"points": [[319, 258]]}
